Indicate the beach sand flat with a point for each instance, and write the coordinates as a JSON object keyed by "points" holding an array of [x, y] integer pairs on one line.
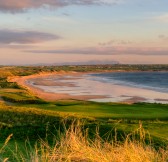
{"points": [[74, 85], [24, 81]]}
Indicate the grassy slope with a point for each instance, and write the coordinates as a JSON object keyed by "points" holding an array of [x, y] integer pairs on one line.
{"points": [[26, 115], [154, 116], [126, 117], [75, 145]]}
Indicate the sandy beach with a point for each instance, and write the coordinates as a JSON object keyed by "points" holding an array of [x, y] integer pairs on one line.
{"points": [[24, 81], [75, 85]]}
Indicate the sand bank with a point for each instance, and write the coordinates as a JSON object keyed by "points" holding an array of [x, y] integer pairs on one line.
{"points": [[80, 86], [24, 81]]}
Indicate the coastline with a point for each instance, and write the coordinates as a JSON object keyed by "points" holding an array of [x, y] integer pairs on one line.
{"points": [[50, 96], [123, 94]]}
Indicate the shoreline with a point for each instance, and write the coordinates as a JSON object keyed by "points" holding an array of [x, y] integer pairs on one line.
{"points": [[50, 96], [37, 88]]}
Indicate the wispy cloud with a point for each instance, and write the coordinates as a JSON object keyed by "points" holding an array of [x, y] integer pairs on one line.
{"points": [[162, 18], [22, 5], [105, 51], [60, 19], [115, 42], [87, 50], [25, 37], [163, 37]]}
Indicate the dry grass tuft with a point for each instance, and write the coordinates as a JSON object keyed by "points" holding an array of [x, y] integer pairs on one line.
{"points": [[75, 146]]}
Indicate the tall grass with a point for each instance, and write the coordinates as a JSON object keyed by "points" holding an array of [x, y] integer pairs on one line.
{"points": [[75, 145]]}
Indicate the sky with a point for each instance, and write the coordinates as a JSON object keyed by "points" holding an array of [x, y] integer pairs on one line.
{"points": [[67, 31]]}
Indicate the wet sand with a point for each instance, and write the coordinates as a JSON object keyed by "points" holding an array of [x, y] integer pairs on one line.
{"points": [[25, 82], [73, 85]]}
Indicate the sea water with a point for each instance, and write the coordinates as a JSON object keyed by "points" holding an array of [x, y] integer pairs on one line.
{"points": [[157, 81], [113, 86]]}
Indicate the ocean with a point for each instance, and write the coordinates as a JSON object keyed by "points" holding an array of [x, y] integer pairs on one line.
{"points": [[109, 87], [157, 81]]}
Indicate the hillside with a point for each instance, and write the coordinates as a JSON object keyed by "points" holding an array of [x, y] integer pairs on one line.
{"points": [[27, 117]]}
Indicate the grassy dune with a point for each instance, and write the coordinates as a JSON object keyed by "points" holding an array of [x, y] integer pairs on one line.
{"points": [[75, 145], [38, 122], [107, 131]]}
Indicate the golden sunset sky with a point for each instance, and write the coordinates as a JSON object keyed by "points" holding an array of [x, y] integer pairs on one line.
{"points": [[59, 31]]}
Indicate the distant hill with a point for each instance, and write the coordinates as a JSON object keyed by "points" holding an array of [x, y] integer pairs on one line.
{"points": [[92, 62]]}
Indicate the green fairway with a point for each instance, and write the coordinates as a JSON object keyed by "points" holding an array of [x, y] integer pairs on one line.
{"points": [[141, 111], [120, 116]]}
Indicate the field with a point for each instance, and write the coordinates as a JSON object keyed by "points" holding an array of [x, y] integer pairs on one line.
{"points": [[29, 118]]}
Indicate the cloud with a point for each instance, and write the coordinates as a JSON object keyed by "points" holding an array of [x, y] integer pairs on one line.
{"points": [[22, 5], [115, 42], [25, 37], [87, 50], [105, 51], [163, 37], [60, 19], [162, 18]]}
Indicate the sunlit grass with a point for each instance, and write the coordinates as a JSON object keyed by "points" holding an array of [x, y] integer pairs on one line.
{"points": [[75, 145], [24, 115]]}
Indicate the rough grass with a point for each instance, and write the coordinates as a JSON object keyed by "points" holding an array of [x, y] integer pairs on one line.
{"points": [[25, 115], [75, 145], [22, 115], [20, 96], [139, 111]]}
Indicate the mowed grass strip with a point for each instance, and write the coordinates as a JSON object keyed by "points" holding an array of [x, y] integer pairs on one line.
{"points": [[109, 110], [117, 116]]}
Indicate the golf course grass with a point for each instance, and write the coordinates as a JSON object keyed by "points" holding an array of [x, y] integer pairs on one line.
{"points": [[24, 116]]}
